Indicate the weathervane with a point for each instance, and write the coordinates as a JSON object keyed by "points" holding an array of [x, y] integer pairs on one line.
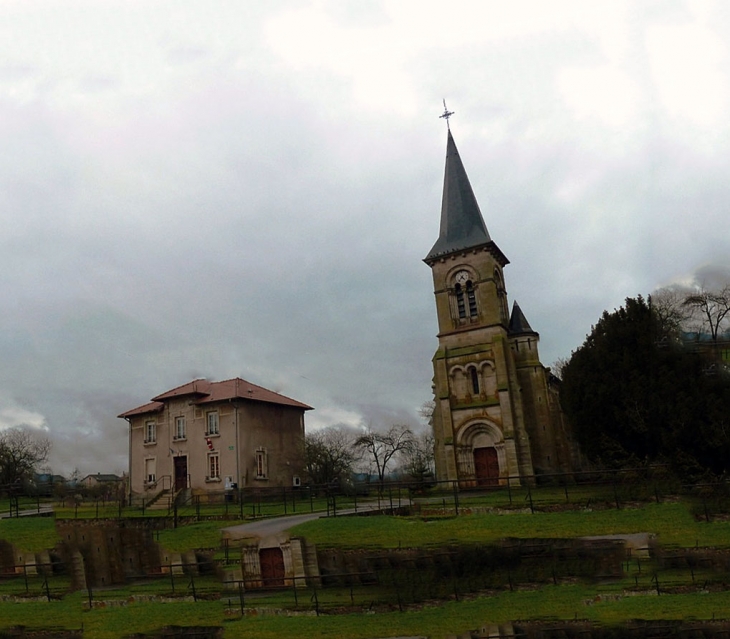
{"points": [[446, 115]]}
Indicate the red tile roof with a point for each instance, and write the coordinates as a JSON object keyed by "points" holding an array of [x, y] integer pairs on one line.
{"points": [[206, 392]]}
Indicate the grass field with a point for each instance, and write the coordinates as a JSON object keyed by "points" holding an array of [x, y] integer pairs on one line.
{"points": [[632, 597], [672, 522], [550, 602]]}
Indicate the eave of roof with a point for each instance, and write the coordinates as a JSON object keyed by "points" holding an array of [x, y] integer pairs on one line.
{"points": [[152, 407]]}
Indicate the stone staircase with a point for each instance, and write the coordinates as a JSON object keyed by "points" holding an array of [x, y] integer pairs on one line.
{"points": [[161, 501]]}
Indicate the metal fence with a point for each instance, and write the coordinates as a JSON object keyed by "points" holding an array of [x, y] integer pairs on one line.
{"points": [[590, 489]]}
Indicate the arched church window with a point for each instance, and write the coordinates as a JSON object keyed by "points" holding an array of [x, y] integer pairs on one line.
{"points": [[474, 376]]}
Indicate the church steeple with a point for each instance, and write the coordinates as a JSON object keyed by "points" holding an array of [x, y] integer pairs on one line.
{"points": [[462, 224]]}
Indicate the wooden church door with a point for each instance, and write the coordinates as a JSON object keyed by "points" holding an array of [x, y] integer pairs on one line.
{"points": [[486, 466]]}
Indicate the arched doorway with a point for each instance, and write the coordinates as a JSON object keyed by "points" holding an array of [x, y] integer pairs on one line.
{"points": [[486, 466], [481, 455]]}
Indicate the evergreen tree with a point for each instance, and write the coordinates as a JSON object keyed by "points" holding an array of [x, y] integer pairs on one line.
{"points": [[634, 395]]}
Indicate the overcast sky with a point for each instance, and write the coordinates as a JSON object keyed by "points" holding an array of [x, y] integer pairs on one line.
{"points": [[219, 189]]}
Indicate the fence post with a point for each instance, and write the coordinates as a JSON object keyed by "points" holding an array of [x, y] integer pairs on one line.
{"points": [[456, 496], [192, 587]]}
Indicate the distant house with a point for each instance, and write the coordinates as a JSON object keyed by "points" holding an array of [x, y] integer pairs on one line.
{"points": [[99, 479], [208, 436]]}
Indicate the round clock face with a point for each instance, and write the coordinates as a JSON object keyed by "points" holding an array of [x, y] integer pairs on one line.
{"points": [[462, 277]]}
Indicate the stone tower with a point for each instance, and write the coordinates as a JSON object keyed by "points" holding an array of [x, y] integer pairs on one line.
{"points": [[494, 416]]}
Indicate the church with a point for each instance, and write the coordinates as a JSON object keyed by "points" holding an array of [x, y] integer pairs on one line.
{"points": [[497, 417]]}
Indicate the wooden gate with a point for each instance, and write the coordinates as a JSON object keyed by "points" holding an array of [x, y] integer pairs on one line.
{"points": [[272, 566], [486, 466]]}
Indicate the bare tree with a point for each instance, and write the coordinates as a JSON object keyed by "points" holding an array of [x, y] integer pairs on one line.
{"points": [[20, 453], [558, 366], [381, 448], [328, 455], [418, 458], [668, 305], [713, 308], [426, 411]]}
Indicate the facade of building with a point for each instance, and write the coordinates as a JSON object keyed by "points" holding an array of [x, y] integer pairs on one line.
{"points": [[496, 416], [211, 436]]}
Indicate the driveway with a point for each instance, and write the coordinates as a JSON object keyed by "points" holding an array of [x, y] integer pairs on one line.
{"points": [[276, 525]]}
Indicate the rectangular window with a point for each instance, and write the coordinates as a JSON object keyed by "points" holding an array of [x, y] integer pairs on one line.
{"points": [[150, 432], [150, 471], [179, 428], [261, 464], [212, 423], [214, 466]]}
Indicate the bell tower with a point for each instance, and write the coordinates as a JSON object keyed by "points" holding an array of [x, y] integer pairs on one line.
{"points": [[478, 421]]}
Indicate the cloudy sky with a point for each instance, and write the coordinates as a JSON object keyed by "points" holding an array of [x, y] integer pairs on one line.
{"points": [[218, 189]]}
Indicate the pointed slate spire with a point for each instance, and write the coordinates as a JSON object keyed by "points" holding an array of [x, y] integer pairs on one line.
{"points": [[462, 224], [518, 322]]}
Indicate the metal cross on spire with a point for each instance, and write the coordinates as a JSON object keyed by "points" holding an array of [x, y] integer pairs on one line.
{"points": [[446, 115]]}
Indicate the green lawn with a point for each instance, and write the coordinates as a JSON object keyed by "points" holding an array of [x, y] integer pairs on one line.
{"points": [[31, 534], [561, 602], [671, 522]]}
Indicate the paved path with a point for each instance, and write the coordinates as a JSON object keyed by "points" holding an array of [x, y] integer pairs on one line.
{"points": [[29, 512], [276, 525]]}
